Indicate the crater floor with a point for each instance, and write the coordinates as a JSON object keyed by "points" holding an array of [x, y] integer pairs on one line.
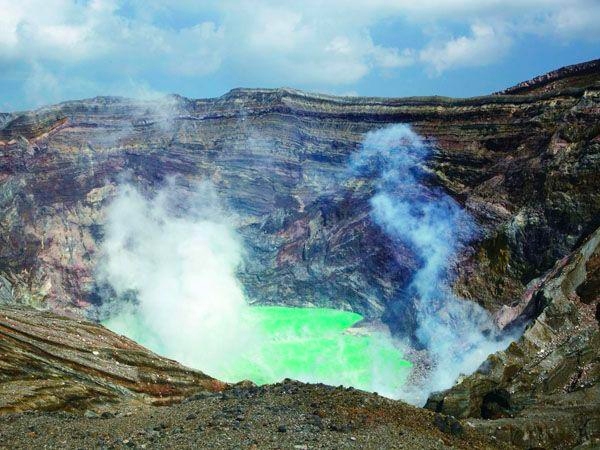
{"points": [[307, 344]]}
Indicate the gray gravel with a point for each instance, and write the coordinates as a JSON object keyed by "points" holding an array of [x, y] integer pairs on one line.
{"points": [[290, 415]]}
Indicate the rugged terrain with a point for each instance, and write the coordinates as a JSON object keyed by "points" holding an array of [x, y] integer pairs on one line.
{"points": [[49, 362], [67, 383], [525, 163], [544, 389], [287, 415]]}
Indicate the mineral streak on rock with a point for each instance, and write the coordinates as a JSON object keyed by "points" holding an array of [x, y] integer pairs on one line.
{"points": [[525, 166], [49, 362]]}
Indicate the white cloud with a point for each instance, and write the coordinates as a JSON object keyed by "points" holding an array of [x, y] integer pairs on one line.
{"points": [[484, 46], [389, 58], [311, 44], [69, 32], [575, 20], [42, 85], [308, 44]]}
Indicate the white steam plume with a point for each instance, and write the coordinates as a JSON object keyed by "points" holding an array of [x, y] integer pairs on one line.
{"points": [[171, 260], [457, 334], [177, 253]]}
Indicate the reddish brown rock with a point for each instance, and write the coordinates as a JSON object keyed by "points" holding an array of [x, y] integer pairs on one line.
{"points": [[49, 362]]}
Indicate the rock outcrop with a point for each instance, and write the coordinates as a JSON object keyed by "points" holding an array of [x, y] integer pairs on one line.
{"points": [[49, 362], [576, 75], [544, 390]]}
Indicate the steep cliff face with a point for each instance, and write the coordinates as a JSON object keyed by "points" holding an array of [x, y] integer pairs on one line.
{"points": [[544, 390], [524, 165]]}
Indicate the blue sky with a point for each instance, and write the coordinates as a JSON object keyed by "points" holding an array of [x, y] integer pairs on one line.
{"points": [[55, 50]]}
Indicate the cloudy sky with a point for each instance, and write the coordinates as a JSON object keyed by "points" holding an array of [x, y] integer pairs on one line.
{"points": [[54, 50]]}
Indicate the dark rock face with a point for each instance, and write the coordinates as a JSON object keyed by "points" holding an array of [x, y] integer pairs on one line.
{"points": [[525, 166], [544, 390]]}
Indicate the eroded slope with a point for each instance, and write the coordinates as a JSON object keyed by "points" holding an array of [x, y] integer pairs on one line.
{"points": [[544, 390], [49, 362]]}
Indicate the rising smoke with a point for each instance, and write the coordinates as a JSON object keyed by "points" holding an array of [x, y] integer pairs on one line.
{"points": [[457, 334], [171, 261]]}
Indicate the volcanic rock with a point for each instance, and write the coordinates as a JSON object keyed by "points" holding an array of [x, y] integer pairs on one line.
{"points": [[49, 362], [544, 389], [525, 164]]}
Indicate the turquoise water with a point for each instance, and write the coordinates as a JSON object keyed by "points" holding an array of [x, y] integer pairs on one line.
{"points": [[307, 344]]}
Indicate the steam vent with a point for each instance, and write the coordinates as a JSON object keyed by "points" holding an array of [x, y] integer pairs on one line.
{"points": [[274, 268]]}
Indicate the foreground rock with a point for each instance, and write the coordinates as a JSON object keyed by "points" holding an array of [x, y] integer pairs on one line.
{"points": [[544, 390], [48, 362], [290, 415], [67, 383]]}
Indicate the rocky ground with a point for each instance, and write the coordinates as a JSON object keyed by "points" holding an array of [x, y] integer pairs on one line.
{"points": [[290, 415], [68, 383]]}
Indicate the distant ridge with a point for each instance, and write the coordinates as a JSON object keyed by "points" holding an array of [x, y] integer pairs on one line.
{"points": [[551, 78]]}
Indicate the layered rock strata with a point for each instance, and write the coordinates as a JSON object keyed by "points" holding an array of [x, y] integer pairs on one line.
{"points": [[524, 165], [544, 389], [49, 362]]}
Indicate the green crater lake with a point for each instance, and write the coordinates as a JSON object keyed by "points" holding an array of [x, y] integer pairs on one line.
{"points": [[307, 344]]}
